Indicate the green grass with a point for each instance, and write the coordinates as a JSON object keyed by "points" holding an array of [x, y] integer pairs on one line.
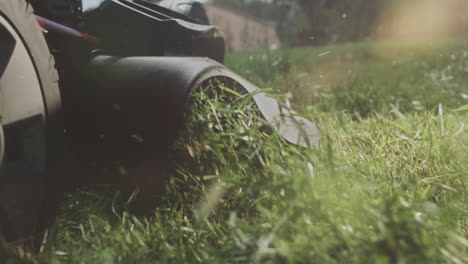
{"points": [[388, 183], [364, 78]]}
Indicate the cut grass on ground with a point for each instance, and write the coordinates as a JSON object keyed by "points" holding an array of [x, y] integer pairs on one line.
{"points": [[387, 185]]}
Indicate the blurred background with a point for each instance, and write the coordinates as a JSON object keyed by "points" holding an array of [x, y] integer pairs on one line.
{"points": [[257, 24]]}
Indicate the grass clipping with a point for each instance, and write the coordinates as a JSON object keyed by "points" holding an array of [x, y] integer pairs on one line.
{"points": [[228, 150]]}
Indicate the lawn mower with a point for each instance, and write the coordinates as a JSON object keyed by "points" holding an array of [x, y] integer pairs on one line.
{"points": [[90, 82]]}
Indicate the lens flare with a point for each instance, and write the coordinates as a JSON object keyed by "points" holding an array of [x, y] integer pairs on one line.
{"points": [[420, 24]]}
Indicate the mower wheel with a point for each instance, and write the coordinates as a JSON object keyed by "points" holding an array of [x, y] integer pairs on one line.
{"points": [[29, 105]]}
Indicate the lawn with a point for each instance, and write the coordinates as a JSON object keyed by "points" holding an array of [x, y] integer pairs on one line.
{"points": [[388, 183]]}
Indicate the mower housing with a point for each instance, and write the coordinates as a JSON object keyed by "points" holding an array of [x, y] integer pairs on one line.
{"points": [[126, 69]]}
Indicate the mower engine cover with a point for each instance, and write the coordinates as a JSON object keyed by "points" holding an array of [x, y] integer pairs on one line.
{"points": [[192, 9], [141, 28]]}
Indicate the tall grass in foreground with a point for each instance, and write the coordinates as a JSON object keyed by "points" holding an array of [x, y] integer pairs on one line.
{"points": [[387, 185]]}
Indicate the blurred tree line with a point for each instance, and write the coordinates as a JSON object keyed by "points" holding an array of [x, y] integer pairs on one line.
{"points": [[315, 22]]}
